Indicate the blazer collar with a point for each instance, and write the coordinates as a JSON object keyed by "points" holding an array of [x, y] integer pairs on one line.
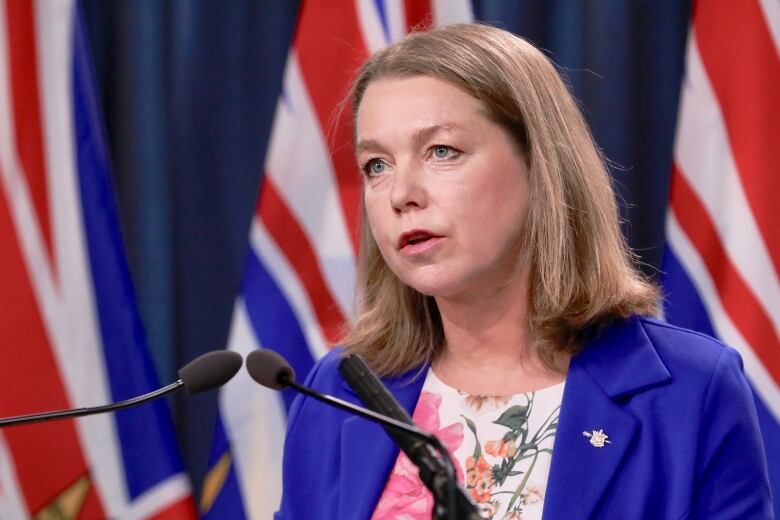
{"points": [[619, 363], [368, 453], [622, 360]]}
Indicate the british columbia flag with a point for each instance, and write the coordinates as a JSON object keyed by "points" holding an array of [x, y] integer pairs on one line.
{"points": [[298, 280], [70, 335], [720, 269], [722, 262]]}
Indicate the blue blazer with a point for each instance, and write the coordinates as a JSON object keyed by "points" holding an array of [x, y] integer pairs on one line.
{"points": [[675, 404]]}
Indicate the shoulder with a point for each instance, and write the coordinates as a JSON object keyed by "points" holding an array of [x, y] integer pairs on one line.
{"points": [[677, 382], [325, 374], [689, 342], [701, 362], [667, 373], [633, 355], [731, 473], [689, 354], [323, 377]]}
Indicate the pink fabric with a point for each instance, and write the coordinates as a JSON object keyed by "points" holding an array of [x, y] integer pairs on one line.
{"points": [[405, 496]]}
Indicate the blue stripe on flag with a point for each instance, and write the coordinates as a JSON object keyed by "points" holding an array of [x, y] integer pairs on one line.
{"points": [[381, 8], [683, 307], [229, 502], [273, 320], [146, 436], [682, 304]]}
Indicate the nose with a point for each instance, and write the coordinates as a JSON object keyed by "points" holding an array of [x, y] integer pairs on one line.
{"points": [[408, 190]]}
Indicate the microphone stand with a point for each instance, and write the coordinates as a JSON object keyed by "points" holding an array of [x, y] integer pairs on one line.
{"points": [[442, 485], [81, 412], [450, 500], [208, 371]]}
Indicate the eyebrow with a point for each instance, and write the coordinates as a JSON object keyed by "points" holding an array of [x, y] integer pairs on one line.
{"points": [[420, 136], [425, 133], [368, 145]]}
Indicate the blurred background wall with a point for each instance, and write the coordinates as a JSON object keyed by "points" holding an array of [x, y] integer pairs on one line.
{"points": [[188, 90]]}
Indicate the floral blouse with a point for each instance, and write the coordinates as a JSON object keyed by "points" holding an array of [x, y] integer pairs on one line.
{"points": [[501, 447]]}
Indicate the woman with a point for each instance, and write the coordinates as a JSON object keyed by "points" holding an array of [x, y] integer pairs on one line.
{"points": [[498, 300]]}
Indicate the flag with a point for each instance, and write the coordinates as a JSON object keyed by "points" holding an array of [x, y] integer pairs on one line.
{"points": [[296, 289], [721, 265], [70, 334]]}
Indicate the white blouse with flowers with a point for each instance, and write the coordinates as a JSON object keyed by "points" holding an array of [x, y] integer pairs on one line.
{"points": [[501, 447]]}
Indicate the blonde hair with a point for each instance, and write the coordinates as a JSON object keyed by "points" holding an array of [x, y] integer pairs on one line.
{"points": [[581, 270]]}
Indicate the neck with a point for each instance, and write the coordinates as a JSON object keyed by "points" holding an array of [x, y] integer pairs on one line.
{"points": [[487, 350], [491, 322]]}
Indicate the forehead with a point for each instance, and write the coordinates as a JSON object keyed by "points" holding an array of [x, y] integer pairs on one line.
{"points": [[415, 102]]}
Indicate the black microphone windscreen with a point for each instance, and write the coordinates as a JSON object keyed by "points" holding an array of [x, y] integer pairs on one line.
{"points": [[268, 367], [211, 370]]}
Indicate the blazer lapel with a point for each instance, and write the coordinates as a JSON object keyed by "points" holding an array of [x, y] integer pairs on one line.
{"points": [[580, 472], [621, 362], [368, 453]]}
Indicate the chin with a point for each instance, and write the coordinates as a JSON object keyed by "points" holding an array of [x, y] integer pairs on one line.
{"points": [[437, 281], [434, 287]]}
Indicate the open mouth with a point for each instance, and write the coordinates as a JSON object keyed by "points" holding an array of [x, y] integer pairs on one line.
{"points": [[415, 238]]}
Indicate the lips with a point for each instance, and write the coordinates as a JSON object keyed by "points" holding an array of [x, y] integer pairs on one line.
{"points": [[417, 239]]}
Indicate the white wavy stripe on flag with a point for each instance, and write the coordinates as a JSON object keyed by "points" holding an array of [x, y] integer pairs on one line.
{"points": [[17, 192], [290, 285], [74, 326], [254, 421], [771, 10], [300, 167], [446, 12], [694, 266], [48, 293], [157, 498], [703, 154], [370, 23], [73, 329], [12, 503]]}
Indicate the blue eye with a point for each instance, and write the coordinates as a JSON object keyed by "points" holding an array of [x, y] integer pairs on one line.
{"points": [[374, 167], [441, 152]]}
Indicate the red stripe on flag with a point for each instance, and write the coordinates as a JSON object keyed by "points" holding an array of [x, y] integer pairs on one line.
{"points": [[184, 508], [91, 507], [741, 61], [742, 306], [26, 109], [48, 456], [294, 243], [418, 14], [330, 48]]}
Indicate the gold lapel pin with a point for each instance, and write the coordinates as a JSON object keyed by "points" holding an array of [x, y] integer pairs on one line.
{"points": [[597, 438]]}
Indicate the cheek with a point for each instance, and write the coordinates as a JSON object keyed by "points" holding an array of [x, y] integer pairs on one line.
{"points": [[373, 217], [378, 224], [496, 214]]}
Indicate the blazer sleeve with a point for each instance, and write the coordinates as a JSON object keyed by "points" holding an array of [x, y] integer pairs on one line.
{"points": [[732, 480]]}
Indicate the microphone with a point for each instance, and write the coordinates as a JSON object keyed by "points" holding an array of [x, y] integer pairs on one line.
{"points": [[211, 370], [359, 376], [271, 370]]}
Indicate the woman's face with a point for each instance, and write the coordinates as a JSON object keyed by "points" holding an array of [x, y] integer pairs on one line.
{"points": [[446, 189]]}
